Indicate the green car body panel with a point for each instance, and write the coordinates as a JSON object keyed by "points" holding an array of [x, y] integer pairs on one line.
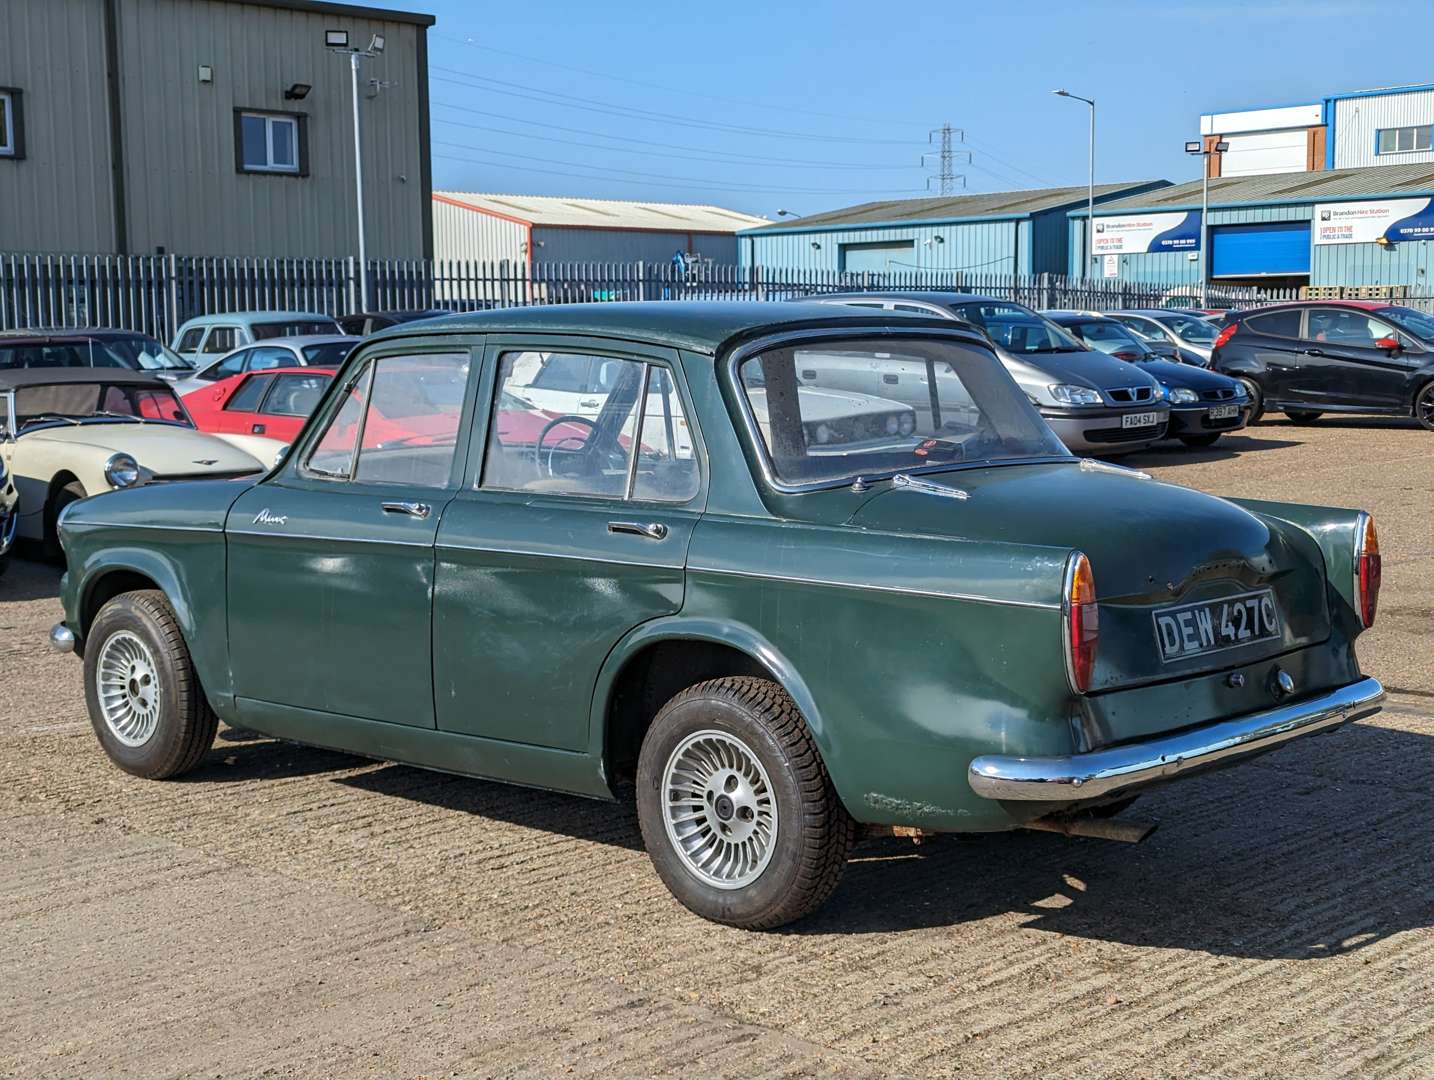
{"points": [[914, 632]]}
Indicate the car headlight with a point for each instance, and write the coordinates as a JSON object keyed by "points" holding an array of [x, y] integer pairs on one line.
{"points": [[907, 423], [122, 471], [1240, 394], [1183, 395], [893, 422], [1074, 395]]}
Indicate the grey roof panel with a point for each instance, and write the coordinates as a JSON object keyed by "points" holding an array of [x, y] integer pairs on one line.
{"points": [[1284, 187]]}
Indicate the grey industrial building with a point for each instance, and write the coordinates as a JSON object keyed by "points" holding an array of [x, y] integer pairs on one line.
{"points": [[1334, 229], [209, 127], [1004, 232]]}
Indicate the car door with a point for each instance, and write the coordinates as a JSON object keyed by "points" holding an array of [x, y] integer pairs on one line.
{"points": [[1344, 366], [331, 562], [236, 415], [1272, 340], [292, 397], [562, 541]]}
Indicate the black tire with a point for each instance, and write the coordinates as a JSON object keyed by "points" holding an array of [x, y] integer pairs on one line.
{"points": [[74, 491], [1199, 440], [1424, 406], [1257, 397], [813, 833], [185, 724], [4, 563], [1303, 416]]}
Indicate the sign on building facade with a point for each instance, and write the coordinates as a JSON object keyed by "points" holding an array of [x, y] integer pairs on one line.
{"points": [[1143, 234]]}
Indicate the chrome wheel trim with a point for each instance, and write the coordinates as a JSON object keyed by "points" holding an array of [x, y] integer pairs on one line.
{"points": [[719, 809], [127, 688]]}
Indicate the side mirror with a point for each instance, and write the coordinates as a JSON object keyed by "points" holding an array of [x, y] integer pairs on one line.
{"points": [[1391, 345]]}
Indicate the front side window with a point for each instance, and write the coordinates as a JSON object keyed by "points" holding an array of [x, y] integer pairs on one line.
{"points": [[270, 357], [268, 142], [189, 340], [398, 423], [230, 365], [221, 339], [1017, 329], [834, 411], [1402, 140], [248, 396], [1350, 328], [295, 395]]}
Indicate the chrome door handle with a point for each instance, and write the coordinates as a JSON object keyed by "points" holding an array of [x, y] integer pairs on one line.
{"points": [[1313, 352], [652, 530], [592, 403], [412, 509]]}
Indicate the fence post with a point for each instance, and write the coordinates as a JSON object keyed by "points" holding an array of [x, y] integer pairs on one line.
{"points": [[352, 283], [641, 279]]}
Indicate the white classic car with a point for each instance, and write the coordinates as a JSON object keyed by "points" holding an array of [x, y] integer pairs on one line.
{"points": [[66, 433]]}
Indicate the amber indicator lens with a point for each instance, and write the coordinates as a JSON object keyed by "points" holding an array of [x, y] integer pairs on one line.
{"points": [[1368, 571], [1083, 623]]}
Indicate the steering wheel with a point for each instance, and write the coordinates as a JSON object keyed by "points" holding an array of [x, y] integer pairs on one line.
{"points": [[546, 467]]}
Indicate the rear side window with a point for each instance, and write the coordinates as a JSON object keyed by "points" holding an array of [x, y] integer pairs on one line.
{"points": [[1276, 323], [293, 328], [295, 395], [221, 339], [248, 396], [269, 357], [190, 341]]}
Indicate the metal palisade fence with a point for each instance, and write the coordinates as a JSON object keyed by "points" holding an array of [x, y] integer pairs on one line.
{"points": [[156, 293]]}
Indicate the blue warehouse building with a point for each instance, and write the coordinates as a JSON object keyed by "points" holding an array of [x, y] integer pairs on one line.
{"points": [[1010, 232], [1350, 228]]}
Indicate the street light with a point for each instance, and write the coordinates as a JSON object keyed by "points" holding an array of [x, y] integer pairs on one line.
{"points": [[1204, 150], [338, 41], [788, 213], [1090, 192]]}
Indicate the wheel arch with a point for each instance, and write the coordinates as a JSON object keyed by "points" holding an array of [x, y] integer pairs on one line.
{"points": [[631, 687], [129, 570]]}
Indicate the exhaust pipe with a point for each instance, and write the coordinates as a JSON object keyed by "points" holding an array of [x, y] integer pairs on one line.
{"points": [[1126, 830]]}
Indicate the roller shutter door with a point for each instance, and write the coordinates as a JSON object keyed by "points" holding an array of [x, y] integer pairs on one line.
{"points": [[1270, 247]]}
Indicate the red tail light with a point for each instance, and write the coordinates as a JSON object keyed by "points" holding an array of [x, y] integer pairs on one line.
{"points": [[1126, 354], [1081, 622], [1225, 334], [1367, 570]]}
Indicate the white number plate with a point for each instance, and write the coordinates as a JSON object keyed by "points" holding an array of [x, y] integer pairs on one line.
{"points": [[1140, 419], [1193, 629], [1224, 412]]}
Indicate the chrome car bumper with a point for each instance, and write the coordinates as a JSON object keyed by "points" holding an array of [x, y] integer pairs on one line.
{"points": [[1102, 772], [9, 526]]}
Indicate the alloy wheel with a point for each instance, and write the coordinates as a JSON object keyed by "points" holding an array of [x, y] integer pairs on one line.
{"points": [[127, 685], [719, 809], [1424, 407]]}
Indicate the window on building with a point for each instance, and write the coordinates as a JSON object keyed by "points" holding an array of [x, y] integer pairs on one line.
{"points": [[12, 143], [1402, 140], [269, 142]]}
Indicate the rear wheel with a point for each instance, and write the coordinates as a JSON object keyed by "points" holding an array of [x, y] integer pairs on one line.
{"points": [[1257, 398], [737, 811], [74, 491], [1199, 440], [145, 702], [1424, 406], [1303, 416]]}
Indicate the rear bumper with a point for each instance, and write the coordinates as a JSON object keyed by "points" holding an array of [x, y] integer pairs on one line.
{"points": [[1103, 772]]}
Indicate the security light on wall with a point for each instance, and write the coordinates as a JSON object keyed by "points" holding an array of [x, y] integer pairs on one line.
{"points": [[1192, 147], [376, 45], [336, 39], [816, 246], [297, 92]]}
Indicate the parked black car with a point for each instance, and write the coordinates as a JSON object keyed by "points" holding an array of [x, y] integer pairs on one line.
{"points": [[52, 347], [363, 323], [1203, 405], [1349, 356]]}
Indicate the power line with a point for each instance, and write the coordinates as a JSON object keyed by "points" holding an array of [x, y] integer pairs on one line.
{"points": [[552, 97], [643, 174], [666, 149], [666, 88]]}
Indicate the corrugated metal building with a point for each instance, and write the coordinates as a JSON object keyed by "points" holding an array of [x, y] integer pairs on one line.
{"points": [[1346, 227], [472, 226], [129, 126], [1006, 232]]}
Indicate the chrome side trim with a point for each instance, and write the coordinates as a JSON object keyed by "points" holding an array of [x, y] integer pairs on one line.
{"points": [[307, 537], [937, 594], [1102, 772], [150, 526], [526, 553]]}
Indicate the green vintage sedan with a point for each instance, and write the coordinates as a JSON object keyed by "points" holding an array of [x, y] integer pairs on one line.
{"points": [[782, 608]]}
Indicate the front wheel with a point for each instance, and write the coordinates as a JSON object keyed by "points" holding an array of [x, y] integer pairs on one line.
{"points": [[1199, 440], [1257, 398], [737, 811], [145, 702], [1424, 406]]}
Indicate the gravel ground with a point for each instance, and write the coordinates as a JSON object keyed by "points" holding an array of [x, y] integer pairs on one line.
{"points": [[294, 912]]}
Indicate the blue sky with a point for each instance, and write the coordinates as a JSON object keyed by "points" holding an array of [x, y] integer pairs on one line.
{"points": [[767, 106]]}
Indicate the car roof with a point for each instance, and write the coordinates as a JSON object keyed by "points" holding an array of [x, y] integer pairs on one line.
{"points": [[1156, 313], [255, 316], [304, 339], [312, 369], [1058, 315], [1285, 305], [30, 332], [697, 325], [22, 377], [932, 296], [396, 313]]}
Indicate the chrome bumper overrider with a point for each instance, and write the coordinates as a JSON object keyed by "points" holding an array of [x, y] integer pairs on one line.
{"points": [[1101, 772], [9, 526], [62, 638]]}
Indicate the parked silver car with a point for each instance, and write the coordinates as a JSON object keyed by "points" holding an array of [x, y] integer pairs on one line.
{"points": [[1193, 335], [1093, 402], [319, 350]]}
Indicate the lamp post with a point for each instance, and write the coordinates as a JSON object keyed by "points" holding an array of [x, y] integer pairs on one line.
{"points": [[1090, 191], [338, 41], [1203, 151]]}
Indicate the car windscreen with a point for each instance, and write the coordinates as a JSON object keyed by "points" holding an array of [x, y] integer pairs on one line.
{"points": [[1198, 331], [57, 354], [1108, 336], [1017, 329], [263, 331], [96, 400], [834, 411], [142, 353], [329, 354], [1418, 323]]}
